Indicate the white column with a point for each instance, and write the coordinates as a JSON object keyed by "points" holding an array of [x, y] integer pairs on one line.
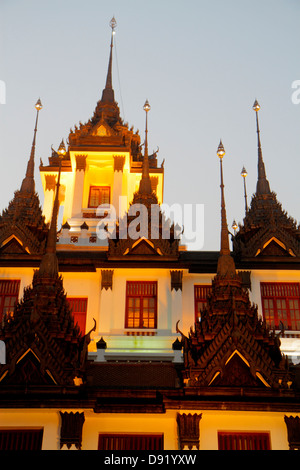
{"points": [[118, 181], [78, 185], [49, 196]]}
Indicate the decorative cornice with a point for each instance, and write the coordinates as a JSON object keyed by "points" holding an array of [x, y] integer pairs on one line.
{"points": [[50, 182], [80, 162], [188, 430], [119, 161], [107, 279]]}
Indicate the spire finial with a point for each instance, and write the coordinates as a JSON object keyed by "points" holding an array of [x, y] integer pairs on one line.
{"points": [[108, 92], [226, 265], [262, 186], [145, 183], [28, 184], [49, 263], [244, 175]]}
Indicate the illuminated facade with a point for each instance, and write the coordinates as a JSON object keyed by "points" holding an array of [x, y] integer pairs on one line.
{"points": [[119, 342]]}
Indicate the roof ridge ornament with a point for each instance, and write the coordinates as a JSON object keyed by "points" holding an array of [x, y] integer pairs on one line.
{"points": [[262, 186], [49, 263], [108, 92], [226, 266], [28, 184], [145, 183]]}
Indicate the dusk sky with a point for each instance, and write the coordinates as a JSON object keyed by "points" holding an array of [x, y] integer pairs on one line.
{"points": [[201, 64]]}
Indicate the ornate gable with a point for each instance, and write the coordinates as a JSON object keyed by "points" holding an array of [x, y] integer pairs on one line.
{"points": [[22, 225], [154, 237], [267, 230], [229, 345], [43, 346]]}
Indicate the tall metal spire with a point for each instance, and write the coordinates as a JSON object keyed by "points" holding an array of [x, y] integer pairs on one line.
{"points": [[108, 92], [226, 266], [49, 263], [145, 183], [28, 184], [262, 186]]}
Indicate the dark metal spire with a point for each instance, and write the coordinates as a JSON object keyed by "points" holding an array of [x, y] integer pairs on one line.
{"points": [[262, 186], [226, 266], [28, 184], [145, 183], [108, 92], [49, 263]]}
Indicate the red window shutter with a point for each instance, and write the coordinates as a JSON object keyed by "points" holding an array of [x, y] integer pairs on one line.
{"points": [[79, 310], [244, 441], [21, 439], [201, 293], [141, 304], [9, 293], [281, 303], [122, 442], [99, 195]]}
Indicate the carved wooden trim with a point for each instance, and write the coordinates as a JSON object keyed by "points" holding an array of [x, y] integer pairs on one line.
{"points": [[71, 429], [176, 279], [119, 162], [80, 162], [106, 278], [293, 431], [50, 182], [188, 430], [245, 277]]}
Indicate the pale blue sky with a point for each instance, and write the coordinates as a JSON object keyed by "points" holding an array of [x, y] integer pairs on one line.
{"points": [[201, 64]]}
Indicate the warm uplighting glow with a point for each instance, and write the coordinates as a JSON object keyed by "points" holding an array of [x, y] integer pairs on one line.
{"points": [[244, 172], [256, 106], [221, 150], [234, 225], [38, 105], [147, 106]]}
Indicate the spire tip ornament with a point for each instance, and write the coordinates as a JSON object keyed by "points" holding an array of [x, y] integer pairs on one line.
{"points": [[256, 106], [113, 24], [221, 150]]}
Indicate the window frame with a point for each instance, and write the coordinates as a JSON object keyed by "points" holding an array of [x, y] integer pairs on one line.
{"points": [[141, 294], [277, 293], [9, 288], [21, 438], [100, 197], [244, 440], [206, 290], [130, 441], [78, 315]]}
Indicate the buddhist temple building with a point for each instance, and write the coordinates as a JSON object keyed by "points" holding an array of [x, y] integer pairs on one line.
{"points": [[114, 336]]}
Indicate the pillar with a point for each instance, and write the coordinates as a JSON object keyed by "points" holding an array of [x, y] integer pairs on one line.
{"points": [[78, 185], [118, 181], [49, 196]]}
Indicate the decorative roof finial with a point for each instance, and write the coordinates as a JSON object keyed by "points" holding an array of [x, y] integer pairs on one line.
{"points": [[49, 263], [28, 184], [108, 92], [262, 186], [145, 183], [244, 174], [226, 266]]}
